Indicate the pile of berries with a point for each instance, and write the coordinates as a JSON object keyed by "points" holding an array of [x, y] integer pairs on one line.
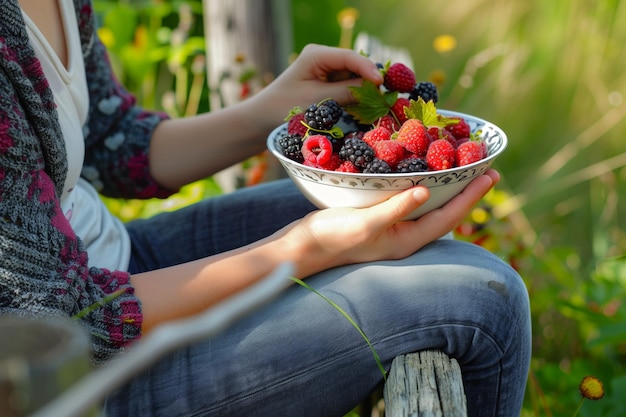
{"points": [[399, 130]]}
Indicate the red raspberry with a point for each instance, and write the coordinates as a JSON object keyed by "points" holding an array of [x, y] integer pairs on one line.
{"points": [[440, 155], [389, 151], [414, 137], [469, 152], [485, 148], [388, 122], [437, 132], [459, 130], [399, 78], [317, 151], [461, 140], [347, 166], [398, 109], [333, 163], [294, 125], [375, 135]]}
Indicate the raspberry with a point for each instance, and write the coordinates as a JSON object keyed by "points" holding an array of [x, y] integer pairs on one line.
{"points": [[317, 151], [426, 90], [291, 146], [460, 130], [389, 151], [414, 137], [323, 116], [377, 166], [295, 126], [347, 166], [333, 163], [398, 109], [388, 122], [356, 151], [375, 135], [485, 148], [469, 152], [462, 140], [399, 78], [437, 132], [440, 155], [412, 164]]}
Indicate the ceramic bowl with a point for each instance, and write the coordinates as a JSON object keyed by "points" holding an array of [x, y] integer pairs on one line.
{"points": [[342, 189]]}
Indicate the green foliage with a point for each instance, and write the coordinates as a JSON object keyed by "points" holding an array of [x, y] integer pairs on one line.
{"points": [[371, 102], [427, 113], [158, 52]]}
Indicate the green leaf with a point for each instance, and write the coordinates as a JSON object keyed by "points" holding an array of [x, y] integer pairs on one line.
{"points": [[371, 102], [427, 113], [293, 112]]}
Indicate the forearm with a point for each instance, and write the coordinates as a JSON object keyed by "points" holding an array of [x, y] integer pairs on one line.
{"points": [[186, 150], [190, 288]]}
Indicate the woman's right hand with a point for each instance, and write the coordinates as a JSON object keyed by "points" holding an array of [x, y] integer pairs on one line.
{"points": [[341, 236]]}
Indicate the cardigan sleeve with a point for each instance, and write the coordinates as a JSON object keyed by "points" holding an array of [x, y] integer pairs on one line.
{"points": [[118, 131], [43, 265]]}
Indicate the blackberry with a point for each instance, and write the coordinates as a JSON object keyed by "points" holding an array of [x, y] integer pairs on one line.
{"points": [[291, 146], [323, 116], [356, 151], [412, 165], [355, 134], [337, 143], [426, 90], [377, 166]]}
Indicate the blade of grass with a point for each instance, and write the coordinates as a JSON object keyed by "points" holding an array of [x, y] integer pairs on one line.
{"points": [[352, 322]]}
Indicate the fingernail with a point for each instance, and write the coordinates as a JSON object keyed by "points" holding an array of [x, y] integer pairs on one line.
{"points": [[420, 194]]}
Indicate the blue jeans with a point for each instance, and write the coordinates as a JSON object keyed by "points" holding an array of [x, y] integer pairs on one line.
{"points": [[298, 356]]}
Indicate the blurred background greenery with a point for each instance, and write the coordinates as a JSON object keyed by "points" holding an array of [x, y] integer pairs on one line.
{"points": [[550, 73]]}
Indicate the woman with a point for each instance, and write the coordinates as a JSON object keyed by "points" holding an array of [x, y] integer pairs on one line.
{"points": [[68, 130]]}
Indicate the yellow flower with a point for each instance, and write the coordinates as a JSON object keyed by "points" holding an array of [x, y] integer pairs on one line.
{"points": [[437, 77], [107, 37], [444, 43], [591, 387], [347, 17]]}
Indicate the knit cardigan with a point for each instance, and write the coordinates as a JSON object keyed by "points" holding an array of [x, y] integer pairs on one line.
{"points": [[43, 264]]}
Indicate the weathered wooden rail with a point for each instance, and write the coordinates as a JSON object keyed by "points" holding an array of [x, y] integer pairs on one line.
{"points": [[425, 384], [39, 360]]}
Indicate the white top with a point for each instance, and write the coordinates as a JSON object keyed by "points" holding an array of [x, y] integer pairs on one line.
{"points": [[104, 235]]}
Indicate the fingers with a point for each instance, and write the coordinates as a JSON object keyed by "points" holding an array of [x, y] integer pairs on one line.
{"points": [[338, 63], [398, 207], [440, 221]]}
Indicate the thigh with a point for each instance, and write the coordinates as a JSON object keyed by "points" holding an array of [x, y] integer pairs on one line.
{"points": [[300, 356], [215, 225]]}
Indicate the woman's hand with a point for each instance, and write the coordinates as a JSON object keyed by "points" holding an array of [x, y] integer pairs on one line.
{"points": [[334, 237], [319, 72]]}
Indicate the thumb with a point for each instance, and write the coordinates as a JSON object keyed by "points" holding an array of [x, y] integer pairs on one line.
{"points": [[399, 206]]}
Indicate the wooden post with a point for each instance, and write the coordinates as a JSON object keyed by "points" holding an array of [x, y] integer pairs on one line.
{"points": [[39, 359], [243, 36], [425, 384]]}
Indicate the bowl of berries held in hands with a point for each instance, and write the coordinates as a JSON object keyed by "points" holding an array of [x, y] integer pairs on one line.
{"points": [[392, 138]]}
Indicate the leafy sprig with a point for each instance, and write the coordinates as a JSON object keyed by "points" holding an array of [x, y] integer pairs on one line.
{"points": [[371, 102], [427, 113]]}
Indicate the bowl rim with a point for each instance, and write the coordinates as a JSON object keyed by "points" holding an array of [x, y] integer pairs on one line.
{"points": [[272, 137]]}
